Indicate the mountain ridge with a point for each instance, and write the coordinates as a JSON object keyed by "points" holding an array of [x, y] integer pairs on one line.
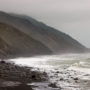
{"points": [[18, 43], [55, 41]]}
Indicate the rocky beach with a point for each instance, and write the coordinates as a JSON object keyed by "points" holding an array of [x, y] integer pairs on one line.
{"points": [[40, 73], [14, 77], [60, 72]]}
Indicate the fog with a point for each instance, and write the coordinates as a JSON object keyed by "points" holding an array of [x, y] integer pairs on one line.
{"points": [[69, 16]]}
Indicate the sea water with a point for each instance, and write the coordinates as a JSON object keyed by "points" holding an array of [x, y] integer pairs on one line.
{"points": [[62, 69]]}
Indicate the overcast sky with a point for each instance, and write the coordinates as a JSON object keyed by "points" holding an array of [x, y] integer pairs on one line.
{"points": [[69, 16]]}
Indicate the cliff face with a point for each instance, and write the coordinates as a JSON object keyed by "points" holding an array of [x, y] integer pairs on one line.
{"points": [[15, 43], [46, 38]]}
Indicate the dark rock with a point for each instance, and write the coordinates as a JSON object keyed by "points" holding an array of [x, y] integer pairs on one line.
{"points": [[53, 85], [57, 72], [2, 62], [34, 77], [61, 79], [76, 78], [76, 81], [13, 72], [86, 75]]}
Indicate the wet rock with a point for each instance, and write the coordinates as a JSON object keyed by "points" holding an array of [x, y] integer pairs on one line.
{"points": [[71, 77], [61, 79], [2, 62], [76, 78], [51, 76], [57, 72], [76, 81], [53, 85], [86, 75], [35, 77], [13, 72], [45, 74]]}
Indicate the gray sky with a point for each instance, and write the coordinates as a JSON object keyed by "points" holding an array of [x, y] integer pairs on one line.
{"points": [[69, 16]]}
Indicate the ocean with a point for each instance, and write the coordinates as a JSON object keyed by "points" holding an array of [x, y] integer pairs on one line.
{"points": [[69, 71]]}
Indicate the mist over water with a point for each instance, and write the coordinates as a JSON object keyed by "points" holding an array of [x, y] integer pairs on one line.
{"points": [[69, 61], [67, 66]]}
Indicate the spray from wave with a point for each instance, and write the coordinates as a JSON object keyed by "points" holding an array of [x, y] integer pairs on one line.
{"points": [[69, 71], [69, 61]]}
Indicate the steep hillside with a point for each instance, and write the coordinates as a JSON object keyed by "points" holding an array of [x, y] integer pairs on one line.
{"points": [[15, 43], [56, 41]]}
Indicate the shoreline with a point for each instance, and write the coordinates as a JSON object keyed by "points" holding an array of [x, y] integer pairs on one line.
{"points": [[14, 77]]}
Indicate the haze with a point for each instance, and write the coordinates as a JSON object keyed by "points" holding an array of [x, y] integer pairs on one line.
{"points": [[69, 16]]}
